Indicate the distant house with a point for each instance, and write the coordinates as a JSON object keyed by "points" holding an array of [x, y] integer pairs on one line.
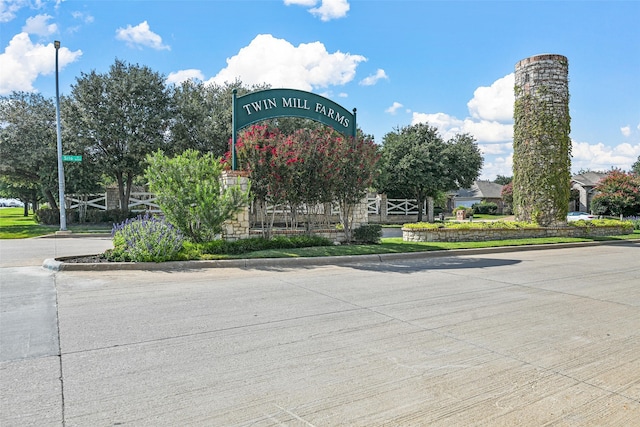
{"points": [[585, 184], [480, 191]]}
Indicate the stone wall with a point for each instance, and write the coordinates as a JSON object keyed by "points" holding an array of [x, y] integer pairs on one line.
{"points": [[480, 234]]}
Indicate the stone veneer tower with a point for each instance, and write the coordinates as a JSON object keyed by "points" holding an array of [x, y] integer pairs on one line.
{"points": [[541, 143]]}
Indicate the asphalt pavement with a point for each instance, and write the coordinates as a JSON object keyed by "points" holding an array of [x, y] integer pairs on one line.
{"points": [[519, 337]]}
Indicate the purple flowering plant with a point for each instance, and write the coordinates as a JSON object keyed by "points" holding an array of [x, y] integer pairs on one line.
{"points": [[145, 239]]}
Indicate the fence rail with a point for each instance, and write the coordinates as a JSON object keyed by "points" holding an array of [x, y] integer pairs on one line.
{"points": [[138, 202], [146, 202], [393, 206]]}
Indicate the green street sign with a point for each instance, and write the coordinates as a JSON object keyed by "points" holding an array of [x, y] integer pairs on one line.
{"points": [[71, 158]]}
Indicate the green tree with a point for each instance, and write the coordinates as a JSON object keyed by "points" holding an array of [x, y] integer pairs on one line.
{"points": [[202, 115], [28, 154], [618, 194], [503, 180], [353, 166], [257, 154], [118, 118], [308, 167], [190, 193], [507, 197], [635, 168], [418, 163]]}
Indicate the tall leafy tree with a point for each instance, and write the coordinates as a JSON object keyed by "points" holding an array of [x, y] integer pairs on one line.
{"points": [[118, 118], [28, 154], [308, 167], [416, 162], [202, 115], [618, 194], [635, 168], [353, 166]]}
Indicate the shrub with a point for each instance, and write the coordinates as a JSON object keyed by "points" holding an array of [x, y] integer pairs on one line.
{"points": [[191, 195], [48, 216], [145, 239], [238, 247], [113, 216], [635, 220], [369, 233], [487, 208]]}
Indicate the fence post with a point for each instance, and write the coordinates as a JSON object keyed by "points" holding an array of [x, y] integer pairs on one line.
{"points": [[112, 199]]}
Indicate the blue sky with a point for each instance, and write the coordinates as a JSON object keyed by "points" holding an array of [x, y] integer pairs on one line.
{"points": [[449, 63]]}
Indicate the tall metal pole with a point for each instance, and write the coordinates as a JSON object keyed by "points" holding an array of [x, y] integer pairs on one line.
{"points": [[61, 203], [234, 135]]}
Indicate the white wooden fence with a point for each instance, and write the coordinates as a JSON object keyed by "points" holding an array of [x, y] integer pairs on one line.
{"points": [[138, 202], [146, 202], [393, 206]]}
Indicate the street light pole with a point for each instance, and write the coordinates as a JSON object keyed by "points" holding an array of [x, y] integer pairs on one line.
{"points": [[63, 214]]}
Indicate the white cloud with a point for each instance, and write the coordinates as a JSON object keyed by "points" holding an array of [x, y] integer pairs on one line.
{"points": [[488, 131], [9, 8], [81, 16], [394, 108], [373, 79], [494, 103], [482, 130], [141, 36], [184, 75], [39, 25], [447, 125], [22, 62], [499, 165], [307, 3], [495, 149], [331, 9], [490, 110], [626, 130], [277, 62], [602, 157], [328, 9]]}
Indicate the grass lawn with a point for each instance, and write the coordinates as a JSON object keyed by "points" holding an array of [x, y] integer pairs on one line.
{"points": [[14, 225], [394, 245]]}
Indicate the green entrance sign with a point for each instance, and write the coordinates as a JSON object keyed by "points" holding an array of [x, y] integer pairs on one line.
{"points": [[272, 103], [71, 158]]}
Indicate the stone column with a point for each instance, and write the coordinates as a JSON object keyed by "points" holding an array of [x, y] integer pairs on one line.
{"points": [[238, 227], [541, 143]]}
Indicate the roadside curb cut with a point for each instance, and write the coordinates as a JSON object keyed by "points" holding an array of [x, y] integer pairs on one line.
{"points": [[58, 264]]}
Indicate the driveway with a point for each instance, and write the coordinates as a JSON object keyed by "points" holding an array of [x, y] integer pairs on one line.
{"points": [[519, 338]]}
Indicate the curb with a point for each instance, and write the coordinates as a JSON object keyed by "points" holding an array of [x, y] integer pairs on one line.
{"points": [[70, 235], [58, 264]]}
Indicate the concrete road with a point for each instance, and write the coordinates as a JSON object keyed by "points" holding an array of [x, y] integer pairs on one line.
{"points": [[522, 338]]}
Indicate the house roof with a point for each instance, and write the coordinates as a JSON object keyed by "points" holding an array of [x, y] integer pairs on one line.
{"points": [[479, 190], [588, 179]]}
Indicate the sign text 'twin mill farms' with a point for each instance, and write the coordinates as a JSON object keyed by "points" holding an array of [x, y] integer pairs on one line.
{"points": [[295, 103]]}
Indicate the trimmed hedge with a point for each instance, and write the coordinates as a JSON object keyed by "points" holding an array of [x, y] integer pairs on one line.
{"points": [[49, 216]]}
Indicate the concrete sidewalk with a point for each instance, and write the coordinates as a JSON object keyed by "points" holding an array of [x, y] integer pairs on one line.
{"points": [[515, 338]]}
